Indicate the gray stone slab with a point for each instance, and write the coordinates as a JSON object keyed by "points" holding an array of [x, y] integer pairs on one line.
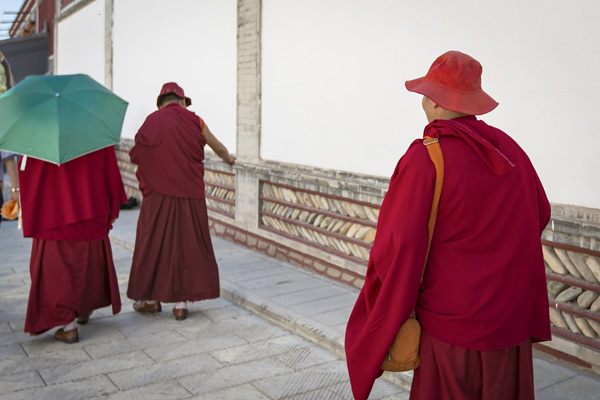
{"points": [[246, 392], [18, 257], [13, 381], [149, 325], [258, 271], [22, 268], [319, 394], [12, 316], [304, 283], [193, 347], [260, 350], [127, 316], [164, 371], [309, 290], [17, 326], [341, 327], [219, 314], [12, 287], [103, 330], [578, 387], [235, 375], [169, 390], [382, 390], [14, 337], [13, 304], [5, 328], [23, 363], [209, 304], [334, 318], [11, 350], [91, 368], [288, 385], [547, 374], [79, 390], [230, 256], [132, 344], [249, 327], [267, 285], [48, 347], [307, 356], [260, 330], [234, 256], [343, 301]]}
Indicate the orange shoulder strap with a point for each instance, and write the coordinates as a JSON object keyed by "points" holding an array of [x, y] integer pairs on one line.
{"points": [[435, 152]]}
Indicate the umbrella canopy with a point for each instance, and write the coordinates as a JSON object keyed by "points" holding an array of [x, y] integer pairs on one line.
{"points": [[57, 118]]}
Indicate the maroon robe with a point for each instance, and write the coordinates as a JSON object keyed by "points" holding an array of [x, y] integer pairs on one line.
{"points": [[68, 211], [484, 288], [173, 258]]}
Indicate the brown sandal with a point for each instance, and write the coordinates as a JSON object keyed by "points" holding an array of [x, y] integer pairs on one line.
{"points": [[68, 337]]}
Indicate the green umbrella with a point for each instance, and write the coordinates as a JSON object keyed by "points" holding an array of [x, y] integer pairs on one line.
{"points": [[57, 118]]}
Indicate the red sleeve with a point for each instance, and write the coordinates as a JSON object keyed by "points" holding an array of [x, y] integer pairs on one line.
{"points": [[394, 272], [543, 204], [114, 185]]}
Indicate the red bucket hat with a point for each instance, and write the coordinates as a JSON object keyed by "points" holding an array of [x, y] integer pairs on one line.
{"points": [[172, 87], [454, 83]]}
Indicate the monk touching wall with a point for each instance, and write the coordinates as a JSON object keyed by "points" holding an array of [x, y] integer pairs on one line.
{"points": [[173, 260]]}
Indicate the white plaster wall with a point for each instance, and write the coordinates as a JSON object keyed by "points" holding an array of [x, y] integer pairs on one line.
{"points": [[333, 77], [191, 42], [80, 48]]}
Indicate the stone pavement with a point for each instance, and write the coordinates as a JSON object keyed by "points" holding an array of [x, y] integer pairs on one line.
{"points": [[276, 333]]}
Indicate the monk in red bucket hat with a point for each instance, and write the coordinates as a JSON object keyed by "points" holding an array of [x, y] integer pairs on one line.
{"points": [[454, 82], [482, 300], [173, 258]]}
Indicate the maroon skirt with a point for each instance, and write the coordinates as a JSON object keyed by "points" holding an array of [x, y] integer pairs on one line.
{"points": [[449, 373], [173, 258], [69, 279]]}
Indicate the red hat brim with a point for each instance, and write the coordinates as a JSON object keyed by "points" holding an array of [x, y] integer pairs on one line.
{"points": [[470, 103]]}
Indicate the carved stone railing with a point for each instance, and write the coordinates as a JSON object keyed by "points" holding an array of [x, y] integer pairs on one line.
{"points": [[220, 191], [340, 226]]}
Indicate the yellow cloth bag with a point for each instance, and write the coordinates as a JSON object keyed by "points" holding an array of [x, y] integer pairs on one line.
{"points": [[10, 209]]}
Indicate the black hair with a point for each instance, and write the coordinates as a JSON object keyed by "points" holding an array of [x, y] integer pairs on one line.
{"points": [[169, 97]]}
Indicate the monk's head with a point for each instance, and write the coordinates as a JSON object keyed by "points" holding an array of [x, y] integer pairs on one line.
{"points": [[171, 98], [172, 93], [452, 88], [434, 111]]}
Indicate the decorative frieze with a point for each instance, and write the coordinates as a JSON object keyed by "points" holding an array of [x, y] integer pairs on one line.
{"points": [[219, 187], [341, 226], [574, 292]]}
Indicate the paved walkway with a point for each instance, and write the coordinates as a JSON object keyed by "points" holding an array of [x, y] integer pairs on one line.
{"points": [[276, 333]]}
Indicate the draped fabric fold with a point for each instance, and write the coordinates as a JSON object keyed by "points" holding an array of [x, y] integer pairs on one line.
{"points": [[170, 148]]}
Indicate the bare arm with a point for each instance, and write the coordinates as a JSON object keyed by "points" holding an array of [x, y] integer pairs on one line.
{"points": [[218, 147], [13, 173]]}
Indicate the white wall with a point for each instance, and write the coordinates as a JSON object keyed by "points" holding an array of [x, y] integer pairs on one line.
{"points": [[333, 77], [80, 46], [191, 42]]}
